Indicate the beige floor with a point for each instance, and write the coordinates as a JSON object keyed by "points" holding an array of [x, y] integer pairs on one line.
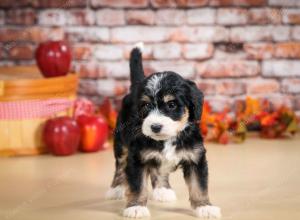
{"points": [[259, 179]]}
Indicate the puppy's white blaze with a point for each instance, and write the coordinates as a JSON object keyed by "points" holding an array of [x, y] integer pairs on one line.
{"points": [[163, 194], [140, 46], [115, 193], [154, 83], [136, 212], [208, 211], [169, 129]]}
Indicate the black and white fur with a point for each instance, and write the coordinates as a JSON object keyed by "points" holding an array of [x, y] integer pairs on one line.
{"points": [[157, 132]]}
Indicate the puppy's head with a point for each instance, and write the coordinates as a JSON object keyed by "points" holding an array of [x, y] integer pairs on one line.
{"points": [[167, 103]]}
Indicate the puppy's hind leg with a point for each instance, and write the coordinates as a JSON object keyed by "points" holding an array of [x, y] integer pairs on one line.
{"points": [[117, 188], [162, 190]]}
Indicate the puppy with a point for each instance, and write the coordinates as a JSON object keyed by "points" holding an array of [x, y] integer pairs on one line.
{"points": [[157, 132]]}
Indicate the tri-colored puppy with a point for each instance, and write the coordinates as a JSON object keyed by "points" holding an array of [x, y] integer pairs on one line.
{"points": [[157, 132]]}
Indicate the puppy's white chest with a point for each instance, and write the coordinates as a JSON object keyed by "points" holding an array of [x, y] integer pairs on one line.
{"points": [[169, 153]]}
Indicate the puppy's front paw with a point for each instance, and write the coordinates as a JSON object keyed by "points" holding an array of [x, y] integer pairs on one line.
{"points": [[136, 212], [163, 195], [208, 211], [115, 193]]}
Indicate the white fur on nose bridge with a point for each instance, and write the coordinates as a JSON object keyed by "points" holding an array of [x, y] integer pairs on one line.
{"points": [[170, 128], [154, 83]]}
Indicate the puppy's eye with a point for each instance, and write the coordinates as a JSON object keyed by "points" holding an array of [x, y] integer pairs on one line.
{"points": [[146, 105], [172, 105]]}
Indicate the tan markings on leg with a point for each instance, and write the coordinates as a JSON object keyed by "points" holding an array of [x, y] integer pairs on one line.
{"points": [[119, 176], [158, 180], [184, 119], [146, 98], [168, 98], [138, 199], [198, 197]]}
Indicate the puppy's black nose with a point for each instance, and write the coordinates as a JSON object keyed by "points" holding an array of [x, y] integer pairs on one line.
{"points": [[156, 128]]}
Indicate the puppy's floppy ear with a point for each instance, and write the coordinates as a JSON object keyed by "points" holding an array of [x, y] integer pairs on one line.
{"points": [[195, 101]]}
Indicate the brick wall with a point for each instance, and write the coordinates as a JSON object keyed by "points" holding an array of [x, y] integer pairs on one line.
{"points": [[231, 48]]}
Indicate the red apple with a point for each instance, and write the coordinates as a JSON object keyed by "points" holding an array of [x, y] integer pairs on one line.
{"points": [[53, 58], [94, 132], [61, 136]]}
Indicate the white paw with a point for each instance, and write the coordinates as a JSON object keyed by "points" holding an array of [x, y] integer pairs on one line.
{"points": [[136, 212], [163, 195], [115, 193], [208, 211]]}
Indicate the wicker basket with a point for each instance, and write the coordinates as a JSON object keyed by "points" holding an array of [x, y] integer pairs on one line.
{"points": [[22, 136]]}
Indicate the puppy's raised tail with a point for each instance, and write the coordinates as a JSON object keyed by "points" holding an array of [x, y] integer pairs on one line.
{"points": [[136, 65]]}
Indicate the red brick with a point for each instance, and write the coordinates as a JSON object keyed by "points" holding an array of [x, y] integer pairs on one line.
{"points": [[297, 104], [33, 34], [110, 17], [59, 3], [207, 87], [230, 88], [166, 51], [90, 70], [238, 68], [185, 69], [280, 68], [80, 17], [287, 3], [250, 34], [218, 104], [200, 34], [13, 34], [260, 86], [90, 34], [120, 3], [2, 17], [38, 34], [20, 17], [232, 16], [108, 52], [224, 54], [198, 51], [177, 3], [287, 50], [20, 3], [291, 86], [170, 17], [21, 52], [280, 33], [52, 17], [111, 88], [264, 16], [82, 51], [259, 51], [1, 51], [102, 87], [140, 17], [201, 16], [113, 70], [116, 70], [238, 2], [296, 33], [140, 33], [291, 16]]}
